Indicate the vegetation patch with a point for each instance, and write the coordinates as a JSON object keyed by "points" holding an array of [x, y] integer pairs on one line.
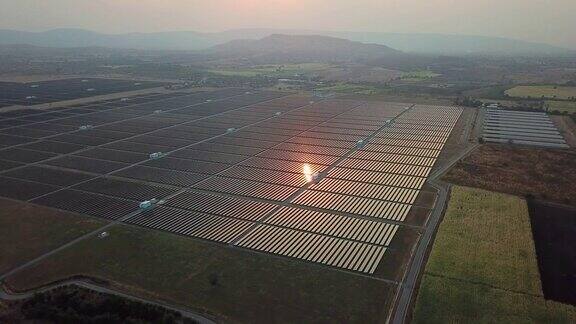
{"points": [[483, 267], [519, 170], [561, 106], [351, 88], [79, 305], [543, 91]]}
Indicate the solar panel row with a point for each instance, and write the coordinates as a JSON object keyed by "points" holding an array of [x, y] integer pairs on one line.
{"points": [[527, 128], [312, 247]]}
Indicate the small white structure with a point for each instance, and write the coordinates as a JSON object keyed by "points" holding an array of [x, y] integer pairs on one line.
{"points": [[85, 127], [159, 111], [230, 130], [147, 204], [103, 235], [360, 144], [156, 155], [316, 177], [278, 113]]}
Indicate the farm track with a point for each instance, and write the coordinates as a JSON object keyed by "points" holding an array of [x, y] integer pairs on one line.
{"points": [[7, 295]]}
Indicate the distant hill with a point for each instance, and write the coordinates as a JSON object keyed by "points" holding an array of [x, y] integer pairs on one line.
{"points": [[438, 44], [301, 48], [84, 38], [421, 43]]}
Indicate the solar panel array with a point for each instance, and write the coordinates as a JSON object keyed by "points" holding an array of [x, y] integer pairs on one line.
{"points": [[521, 127], [33, 93], [264, 171]]}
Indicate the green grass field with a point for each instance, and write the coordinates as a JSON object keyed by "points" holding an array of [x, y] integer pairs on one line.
{"points": [[418, 75], [27, 231], [483, 268], [548, 91], [234, 284]]}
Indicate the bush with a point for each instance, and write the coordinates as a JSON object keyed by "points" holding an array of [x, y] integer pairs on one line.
{"points": [[78, 305]]}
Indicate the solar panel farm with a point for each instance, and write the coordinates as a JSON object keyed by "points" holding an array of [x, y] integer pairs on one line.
{"points": [[264, 167], [333, 184], [264, 206]]}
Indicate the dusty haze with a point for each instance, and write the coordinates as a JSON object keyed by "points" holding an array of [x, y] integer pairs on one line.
{"points": [[550, 21]]}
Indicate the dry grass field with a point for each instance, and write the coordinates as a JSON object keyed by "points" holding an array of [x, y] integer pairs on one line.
{"points": [[483, 268], [232, 284], [546, 174], [27, 231]]}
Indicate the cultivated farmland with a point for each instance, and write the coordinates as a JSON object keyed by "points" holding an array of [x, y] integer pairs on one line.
{"points": [[483, 266]]}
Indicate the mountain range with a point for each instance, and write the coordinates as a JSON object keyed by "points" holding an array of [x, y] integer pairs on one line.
{"points": [[437, 44]]}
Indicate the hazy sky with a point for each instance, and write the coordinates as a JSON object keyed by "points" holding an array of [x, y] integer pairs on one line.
{"points": [[551, 21]]}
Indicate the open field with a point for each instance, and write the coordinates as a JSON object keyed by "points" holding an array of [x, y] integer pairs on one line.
{"points": [[444, 300], [351, 88], [358, 74], [27, 231], [483, 266], [546, 91], [418, 75], [273, 69], [476, 227], [234, 285], [520, 171], [554, 228]]}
